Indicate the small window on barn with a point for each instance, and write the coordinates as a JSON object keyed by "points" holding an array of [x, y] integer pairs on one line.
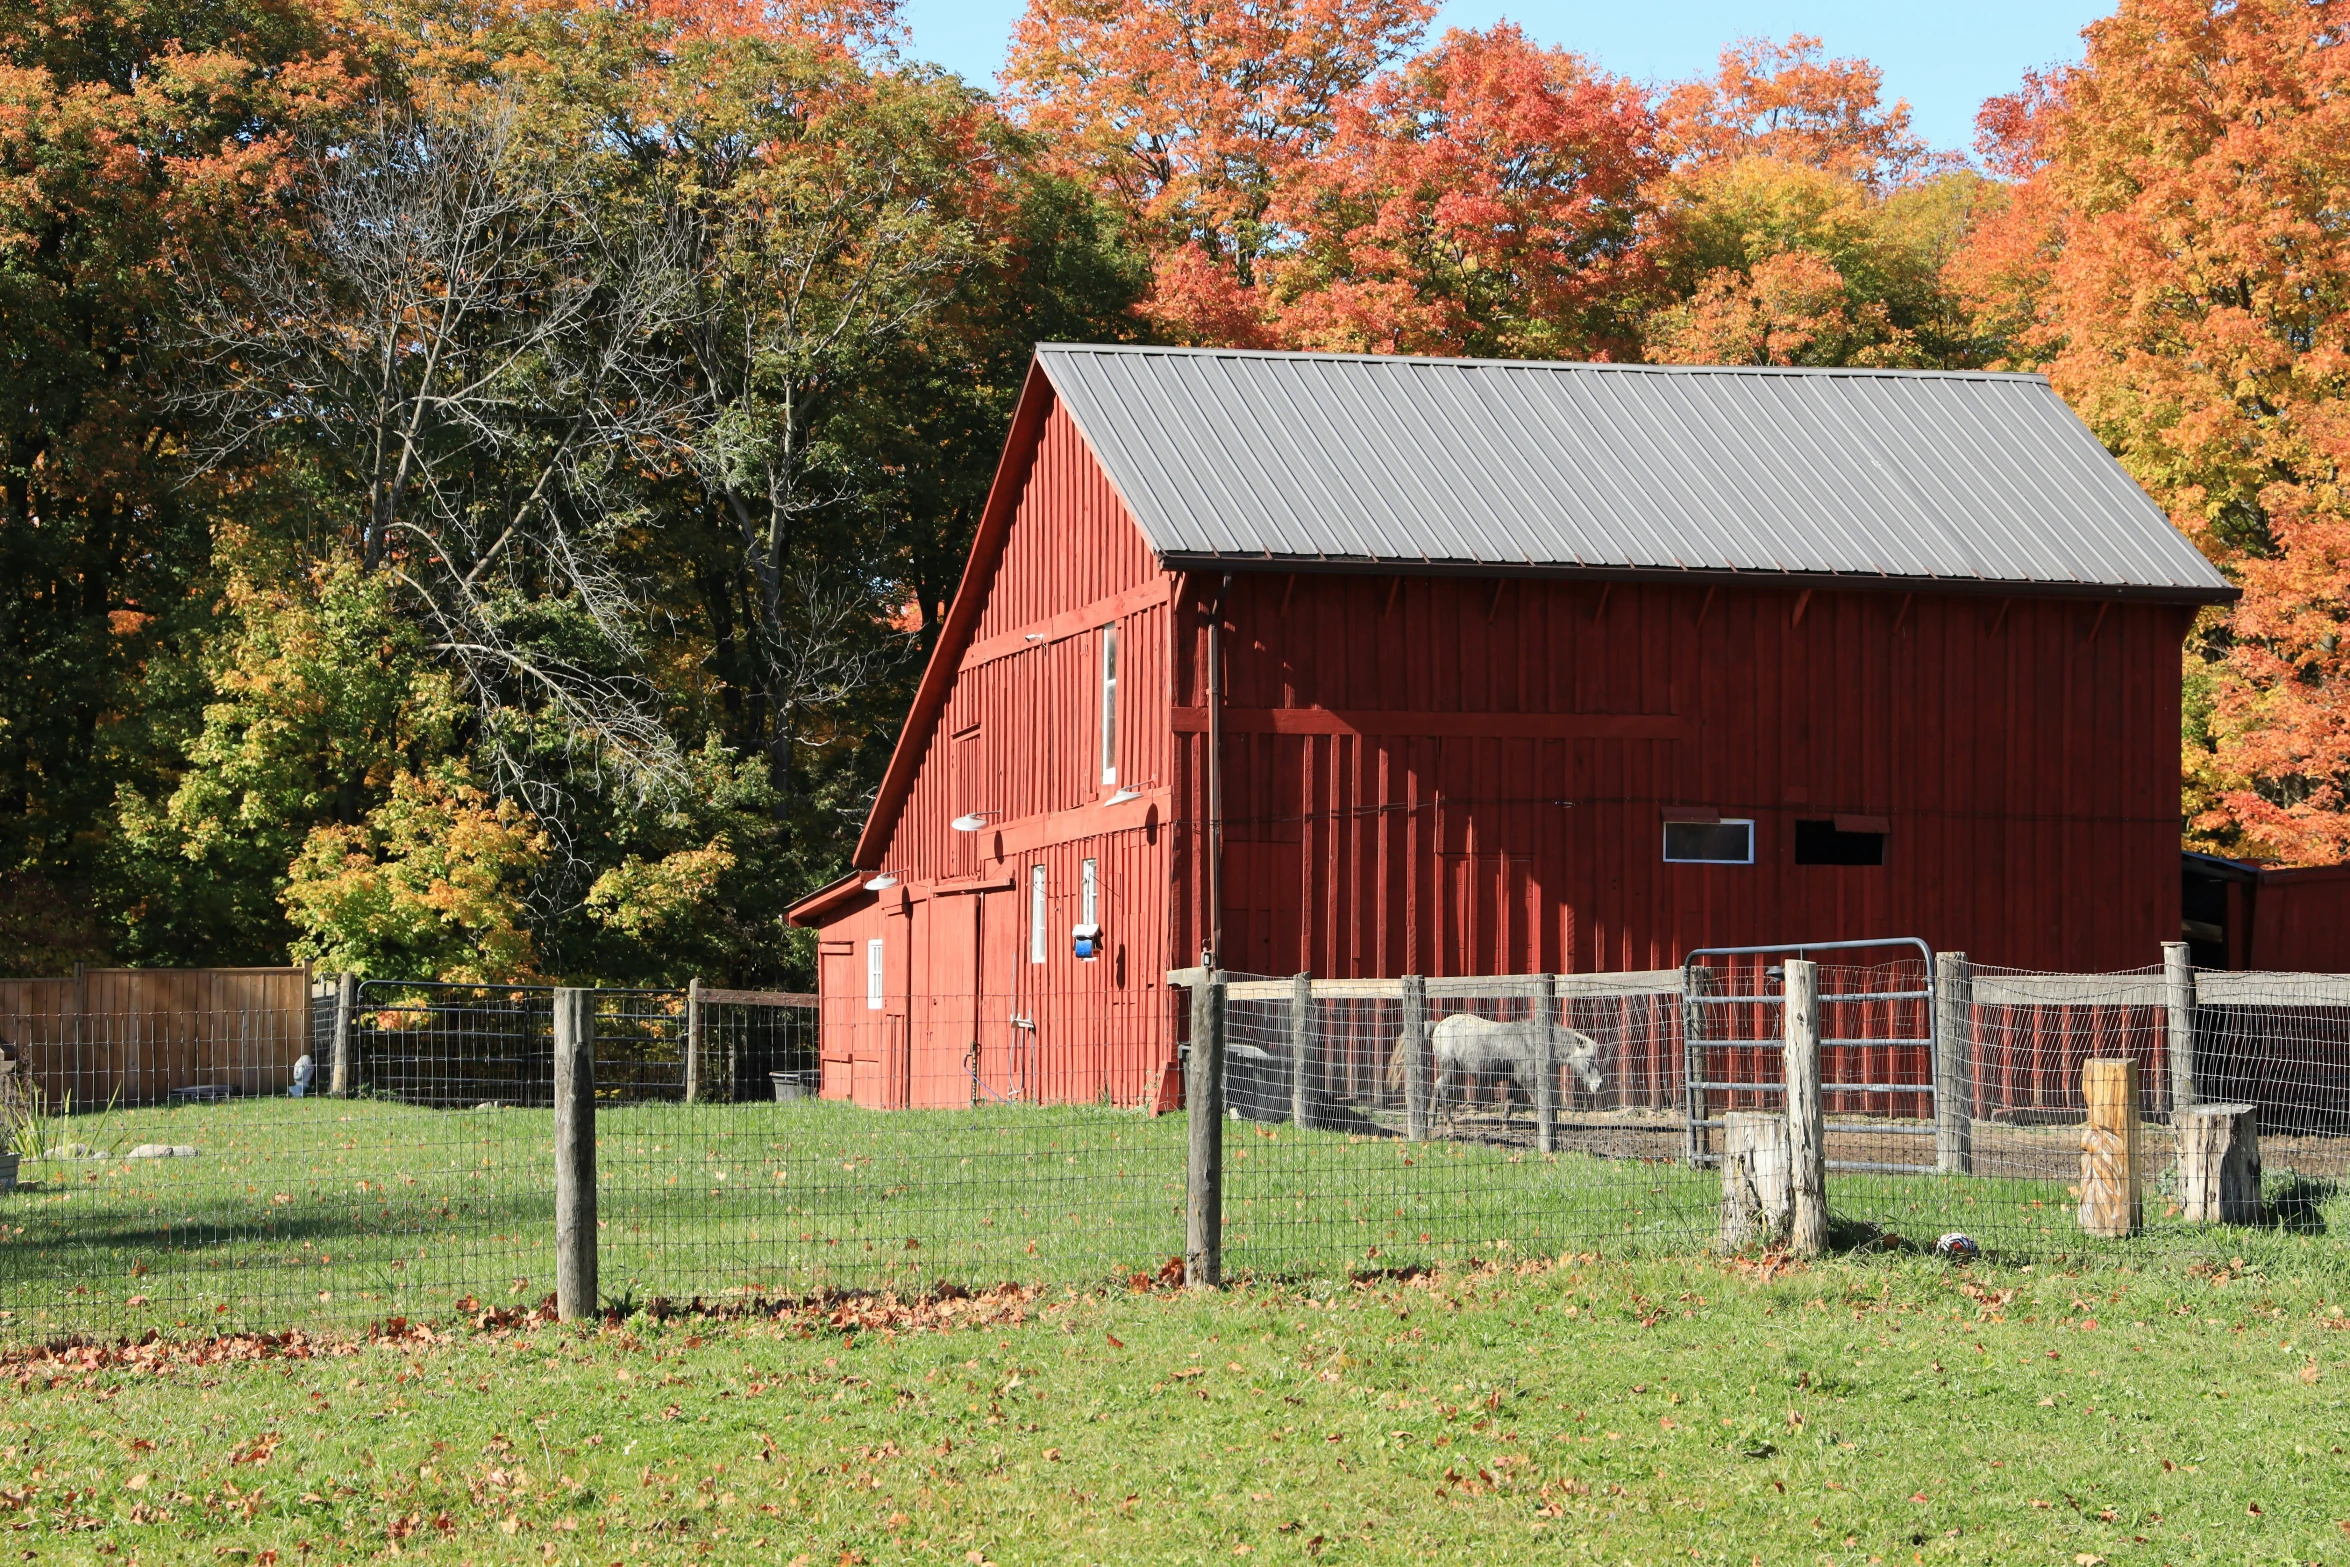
{"points": [[873, 985], [1709, 843], [1109, 704], [1089, 895], [1841, 840], [1036, 934]]}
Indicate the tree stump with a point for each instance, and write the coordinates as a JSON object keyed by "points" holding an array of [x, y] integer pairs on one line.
{"points": [[1758, 1180], [2110, 1204], [2219, 1163]]}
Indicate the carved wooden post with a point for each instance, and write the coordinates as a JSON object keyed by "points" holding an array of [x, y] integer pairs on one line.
{"points": [[1414, 1046], [693, 1041], [2110, 1204], [2178, 993], [1807, 1133], [2219, 1163], [1757, 1179], [1304, 1069], [1546, 1063], [1954, 1059], [1203, 1228], [575, 1154]]}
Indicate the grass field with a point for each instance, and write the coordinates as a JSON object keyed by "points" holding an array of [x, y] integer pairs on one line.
{"points": [[1889, 1410], [324, 1211], [316, 1212]]}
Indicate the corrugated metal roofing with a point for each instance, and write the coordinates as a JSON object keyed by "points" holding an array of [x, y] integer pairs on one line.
{"points": [[1244, 458]]}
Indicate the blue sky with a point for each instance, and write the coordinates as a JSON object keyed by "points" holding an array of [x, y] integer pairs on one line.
{"points": [[1945, 58]]}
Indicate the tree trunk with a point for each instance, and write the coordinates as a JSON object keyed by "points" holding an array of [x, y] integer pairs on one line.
{"points": [[2219, 1163], [1758, 1188]]}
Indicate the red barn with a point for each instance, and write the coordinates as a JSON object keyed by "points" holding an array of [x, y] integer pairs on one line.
{"points": [[1374, 666]]}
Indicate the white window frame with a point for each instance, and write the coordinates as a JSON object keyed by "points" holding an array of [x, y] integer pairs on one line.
{"points": [[1089, 895], [1746, 822], [1110, 704], [1039, 941], [876, 974]]}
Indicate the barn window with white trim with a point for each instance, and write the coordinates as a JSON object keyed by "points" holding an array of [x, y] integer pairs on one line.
{"points": [[1036, 930], [873, 972], [1109, 704], [1723, 842]]}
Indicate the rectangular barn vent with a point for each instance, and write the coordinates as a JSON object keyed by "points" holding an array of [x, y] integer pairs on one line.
{"points": [[1841, 840]]}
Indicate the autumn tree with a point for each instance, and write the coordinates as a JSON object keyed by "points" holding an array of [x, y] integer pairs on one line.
{"points": [[2174, 258], [133, 134], [1484, 198], [1804, 222], [1785, 101], [1190, 117]]}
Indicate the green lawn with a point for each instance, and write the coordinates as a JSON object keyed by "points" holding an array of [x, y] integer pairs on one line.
{"points": [[324, 1212], [318, 1211], [1882, 1410]]}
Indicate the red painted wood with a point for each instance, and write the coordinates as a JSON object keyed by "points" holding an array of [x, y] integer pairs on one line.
{"points": [[1424, 774]]}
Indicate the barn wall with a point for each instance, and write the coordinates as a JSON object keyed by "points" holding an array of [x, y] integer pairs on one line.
{"points": [[2025, 752], [2301, 920], [1020, 740]]}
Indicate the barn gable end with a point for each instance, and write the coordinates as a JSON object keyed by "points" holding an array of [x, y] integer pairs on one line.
{"points": [[977, 927]]}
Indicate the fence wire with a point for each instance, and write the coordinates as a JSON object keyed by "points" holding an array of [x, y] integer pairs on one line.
{"points": [[227, 1165], [1337, 1162]]}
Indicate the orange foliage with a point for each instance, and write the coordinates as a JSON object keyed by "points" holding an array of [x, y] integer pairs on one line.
{"points": [[2175, 259], [1484, 199], [855, 25], [1189, 117], [1784, 101]]}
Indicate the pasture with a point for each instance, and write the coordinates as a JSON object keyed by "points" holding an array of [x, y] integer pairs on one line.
{"points": [[1887, 1410], [318, 1212]]}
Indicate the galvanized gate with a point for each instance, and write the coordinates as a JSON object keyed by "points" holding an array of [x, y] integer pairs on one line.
{"points": [[1877, 1045]]}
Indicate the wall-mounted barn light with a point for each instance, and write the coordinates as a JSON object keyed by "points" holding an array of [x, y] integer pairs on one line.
{"points": [[1122, 796], [881, 883], [971, 821]]}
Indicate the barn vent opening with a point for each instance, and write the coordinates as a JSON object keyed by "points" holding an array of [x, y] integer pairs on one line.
{"points": [[1709, 843], [1840, 840]]}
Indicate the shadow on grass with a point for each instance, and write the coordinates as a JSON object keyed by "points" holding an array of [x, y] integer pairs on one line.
{"points": [[2297, 1203]]}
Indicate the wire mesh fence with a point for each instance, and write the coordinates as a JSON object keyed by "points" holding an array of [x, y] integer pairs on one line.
{"points": [[1396, 1124], [192, 1166]]}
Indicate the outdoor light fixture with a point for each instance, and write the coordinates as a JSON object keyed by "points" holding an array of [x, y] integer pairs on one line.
{"points": [[971, 822], [881, 883], [1122, 796]]}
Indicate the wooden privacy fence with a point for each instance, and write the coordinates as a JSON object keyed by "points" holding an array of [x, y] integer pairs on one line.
{"points": [[145, 1036]]}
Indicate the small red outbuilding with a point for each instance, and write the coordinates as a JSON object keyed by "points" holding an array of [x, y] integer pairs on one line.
{"points": [[1373, 666]]}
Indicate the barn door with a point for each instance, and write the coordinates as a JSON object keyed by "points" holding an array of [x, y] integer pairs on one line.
{"points": [[840, 987]]}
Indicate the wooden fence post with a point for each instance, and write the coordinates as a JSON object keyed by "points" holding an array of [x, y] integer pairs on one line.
{"points": [[1696, 979], [1807, 1137], [1304, 1068], [2110, 1204], [1414, 1045], [2219, 1163], [1757, 1179], [343, 1080], [1954, 1064], [1546, 1063], [575, 1154], [693, 1040], [1203, 1229], [2178, 991]]}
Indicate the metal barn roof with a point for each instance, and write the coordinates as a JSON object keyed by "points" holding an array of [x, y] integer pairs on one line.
{"points": [[1325, 460]]}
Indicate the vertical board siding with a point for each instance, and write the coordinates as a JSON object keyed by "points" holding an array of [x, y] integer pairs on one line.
{"points": [[2024, 753], [1019, 740]]}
